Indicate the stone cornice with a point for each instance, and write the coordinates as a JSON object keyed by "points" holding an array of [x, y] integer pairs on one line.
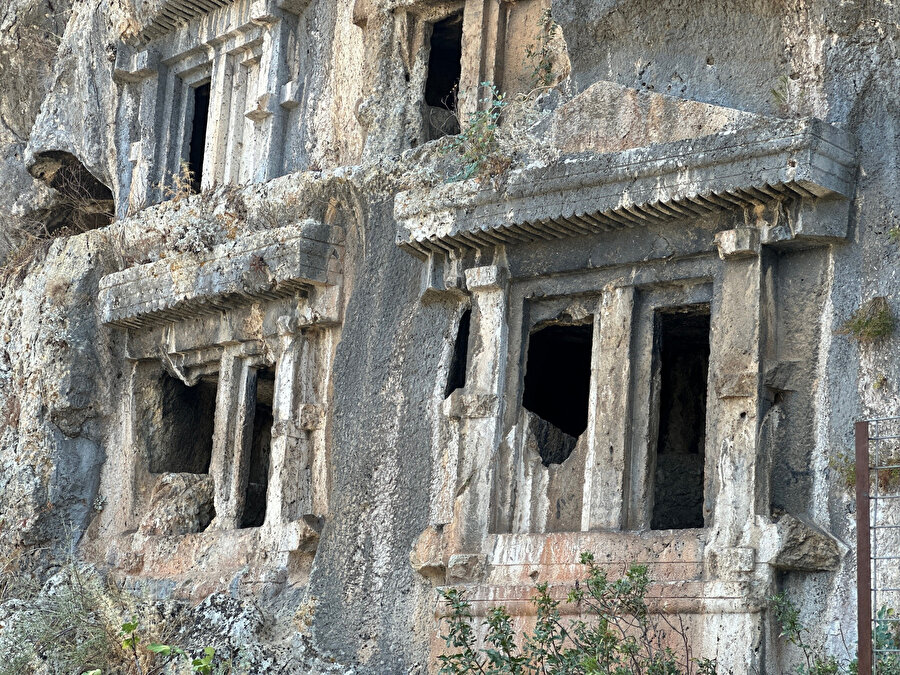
{"points": [[175, 14], [589, 193], [263, 265]]}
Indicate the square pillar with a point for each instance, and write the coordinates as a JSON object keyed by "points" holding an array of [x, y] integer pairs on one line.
{"points": [[605, 471], [735, 383], [477, 406], [235, 408], [288, 483], [297, 417]]}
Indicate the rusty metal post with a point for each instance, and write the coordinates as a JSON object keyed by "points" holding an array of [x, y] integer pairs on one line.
{"points": [[863, 552]]}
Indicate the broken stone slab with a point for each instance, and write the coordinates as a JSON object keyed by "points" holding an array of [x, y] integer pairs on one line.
{"points": [[427, 554], [299, 535], [465, 568], [795, 544], [590, 193], [181, 503], [264, 265]]}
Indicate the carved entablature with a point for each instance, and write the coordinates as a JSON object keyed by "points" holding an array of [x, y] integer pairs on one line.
{"points": [[785, 162], [224, 422], [619, 313], [213, 88]]}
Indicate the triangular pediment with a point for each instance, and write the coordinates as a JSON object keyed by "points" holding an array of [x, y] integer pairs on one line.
{"points": [[630, 159], [608, 117]]}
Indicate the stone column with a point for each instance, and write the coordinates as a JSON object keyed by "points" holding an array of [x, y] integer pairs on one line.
{"points": [[479, 411], [605, 471], [286, 476], [735, 383], [235, 408], [480, 45], [218, 123]]}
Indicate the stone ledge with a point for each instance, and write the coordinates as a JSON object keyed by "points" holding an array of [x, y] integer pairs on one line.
{"points": [[676, 597], [589, 193], [263, 265], [173, 15]]}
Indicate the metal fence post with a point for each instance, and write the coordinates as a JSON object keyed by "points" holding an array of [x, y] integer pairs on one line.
{"points": [[863, 552]]}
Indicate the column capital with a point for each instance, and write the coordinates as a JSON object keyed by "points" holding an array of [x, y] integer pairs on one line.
{"points": [[741, 242], [486, 278]]}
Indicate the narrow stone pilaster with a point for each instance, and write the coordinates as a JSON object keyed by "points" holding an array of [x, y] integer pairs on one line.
{"points": [[481, 36], [605, 471], [216, 143], [286, 478], [235, 407], [478, 408], [734, 392], [268, 113]]}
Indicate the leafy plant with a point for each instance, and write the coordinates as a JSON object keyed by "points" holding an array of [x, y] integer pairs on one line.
{"points": [[792, 629], [871, 322], [541, 52], [477, 142], [203, 665], [622, 637], [886, 637], [130, 641]]}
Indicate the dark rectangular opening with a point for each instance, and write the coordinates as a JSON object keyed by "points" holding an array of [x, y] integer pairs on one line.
{"points": [[197, 147], [442, 81], [456, 379], [260, 446], [181, 434], [682, 344], [557, 387]]}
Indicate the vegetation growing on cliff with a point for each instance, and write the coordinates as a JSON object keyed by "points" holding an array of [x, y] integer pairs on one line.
{"points": [[871, 322], [623, 637]]}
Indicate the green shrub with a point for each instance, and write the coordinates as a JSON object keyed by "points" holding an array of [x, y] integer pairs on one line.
{"points": [[621, 638], [477, 143], [871, 322]]}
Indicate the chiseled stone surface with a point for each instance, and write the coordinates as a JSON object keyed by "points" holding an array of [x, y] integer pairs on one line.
{"points": [[181, 503], [734, 155]]}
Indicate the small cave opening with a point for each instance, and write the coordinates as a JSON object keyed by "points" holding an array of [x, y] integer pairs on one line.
{"points": [[260, 447], [197, 146], [456, 377], [83, 202], [442, 80], [682, 350], [557, 387], [183, 440]]}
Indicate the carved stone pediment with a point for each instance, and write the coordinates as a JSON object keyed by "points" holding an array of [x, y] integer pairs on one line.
{"points": [[686, 169]]}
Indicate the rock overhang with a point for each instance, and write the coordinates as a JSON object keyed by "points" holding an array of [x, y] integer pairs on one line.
{"points": [[588, 193]]}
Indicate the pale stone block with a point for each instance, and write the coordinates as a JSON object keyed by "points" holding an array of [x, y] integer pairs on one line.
{"points": [[487, 278], [740, 242], [465, 567]]}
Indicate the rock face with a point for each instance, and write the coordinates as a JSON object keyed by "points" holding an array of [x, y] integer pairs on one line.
{"points": [[278, 355], [181, 503]]}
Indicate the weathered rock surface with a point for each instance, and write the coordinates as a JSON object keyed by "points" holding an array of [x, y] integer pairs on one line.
{"points": [[181, 503], [665, 169]]}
